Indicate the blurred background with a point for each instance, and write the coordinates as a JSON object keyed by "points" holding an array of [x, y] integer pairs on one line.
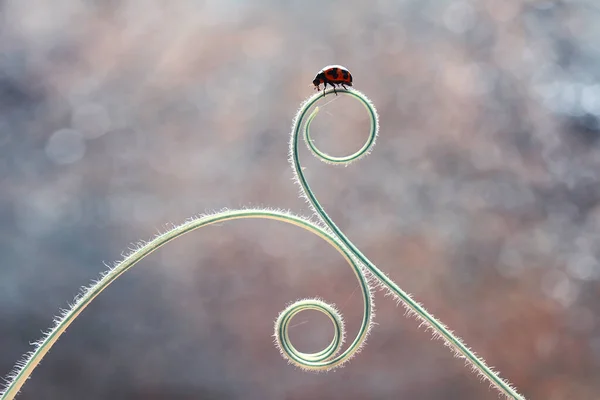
{"points": [[481, 197]]}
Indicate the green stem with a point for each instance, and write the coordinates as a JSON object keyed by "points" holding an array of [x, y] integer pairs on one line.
{"points": [[325, 359], [314, 361]]}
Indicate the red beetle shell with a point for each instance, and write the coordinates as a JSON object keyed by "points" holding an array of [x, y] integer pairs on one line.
{"points": [[334, 75]]}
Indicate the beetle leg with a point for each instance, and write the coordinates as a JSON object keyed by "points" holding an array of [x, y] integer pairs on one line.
{"points": [[344, 86]]}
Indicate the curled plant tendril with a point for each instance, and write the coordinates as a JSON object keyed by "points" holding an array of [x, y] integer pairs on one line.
{"points": [[365, 271]]}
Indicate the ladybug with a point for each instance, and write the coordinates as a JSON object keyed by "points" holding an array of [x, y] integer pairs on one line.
{"points": [[333, 75]]}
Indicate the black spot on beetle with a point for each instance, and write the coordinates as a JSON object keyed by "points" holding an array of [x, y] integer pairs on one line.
{"points": [[334, 73], [345, 74]]}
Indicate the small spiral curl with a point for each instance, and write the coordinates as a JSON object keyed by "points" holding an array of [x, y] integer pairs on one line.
{"points": [[319, 360], [363, 151]]}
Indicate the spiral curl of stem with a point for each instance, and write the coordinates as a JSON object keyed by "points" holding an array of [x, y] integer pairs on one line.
{"points": [[365, 271]]}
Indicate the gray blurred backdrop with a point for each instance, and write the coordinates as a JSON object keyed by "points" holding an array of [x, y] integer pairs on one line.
{"points": [[481, 197]]}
